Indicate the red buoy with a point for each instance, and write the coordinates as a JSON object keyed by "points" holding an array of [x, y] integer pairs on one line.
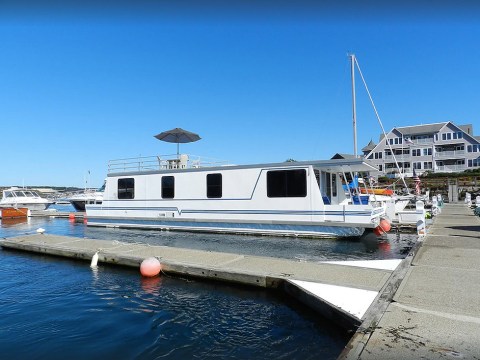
{"points": [[150, 267], [384, 227]]}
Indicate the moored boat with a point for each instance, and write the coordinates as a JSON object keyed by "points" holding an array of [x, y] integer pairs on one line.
{"points": [[79, 200], [291, 198], [15, 197], [377, 191]]}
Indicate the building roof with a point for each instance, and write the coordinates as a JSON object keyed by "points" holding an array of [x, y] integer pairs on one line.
{"points": [[343, 156], [371, 145], [421, 129], [468, 129]]}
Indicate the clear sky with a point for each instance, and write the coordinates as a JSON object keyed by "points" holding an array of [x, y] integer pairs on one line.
{"points": [[258, 81]]}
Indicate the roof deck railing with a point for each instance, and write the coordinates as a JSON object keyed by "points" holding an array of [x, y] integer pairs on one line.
{"points": [[162, 162]]}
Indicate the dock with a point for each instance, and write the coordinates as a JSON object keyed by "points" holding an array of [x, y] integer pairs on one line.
{"points": [[435, 313], [340, 291]]}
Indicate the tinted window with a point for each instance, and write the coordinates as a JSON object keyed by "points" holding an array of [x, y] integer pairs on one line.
{"points": [[168, 187], [287, 183], [214, 185], [126, 188]]}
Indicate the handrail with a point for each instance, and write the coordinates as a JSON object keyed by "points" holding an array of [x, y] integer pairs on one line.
{"points": [[162, 162]]}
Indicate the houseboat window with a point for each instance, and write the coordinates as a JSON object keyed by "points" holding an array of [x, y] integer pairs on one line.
{"points": [[126, 188], [328, 183], [287, 183], [214, 185], [168, 187]]}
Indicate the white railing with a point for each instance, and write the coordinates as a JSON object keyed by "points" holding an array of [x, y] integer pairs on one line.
{"points": [[162, 162], [397, 156], [423, 141], [451, 168], [447, 154]]}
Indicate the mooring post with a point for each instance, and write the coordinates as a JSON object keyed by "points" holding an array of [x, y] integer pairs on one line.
{"points": [[435, 209], [420, 212]]}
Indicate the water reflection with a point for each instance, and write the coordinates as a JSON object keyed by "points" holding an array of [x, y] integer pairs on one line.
{"points": [[9, 222], [151, 285]]}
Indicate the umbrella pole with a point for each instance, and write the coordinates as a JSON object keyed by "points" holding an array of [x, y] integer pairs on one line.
{"points": [[178, 147]]}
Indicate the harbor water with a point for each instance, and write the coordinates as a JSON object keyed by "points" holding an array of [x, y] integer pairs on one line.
{"points": [[56, 308]]}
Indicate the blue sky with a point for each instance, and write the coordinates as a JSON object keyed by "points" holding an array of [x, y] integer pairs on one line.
{"points": [[81, 85]]}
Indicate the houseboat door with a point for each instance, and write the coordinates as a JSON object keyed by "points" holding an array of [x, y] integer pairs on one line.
{"points": [[328, 183]]}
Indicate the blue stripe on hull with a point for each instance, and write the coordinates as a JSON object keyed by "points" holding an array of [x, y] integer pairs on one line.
{"points": [[242, 212], [250, 228]]}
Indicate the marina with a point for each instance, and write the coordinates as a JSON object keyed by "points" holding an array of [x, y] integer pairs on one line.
{"points": [[323, 286], [219, 180]]}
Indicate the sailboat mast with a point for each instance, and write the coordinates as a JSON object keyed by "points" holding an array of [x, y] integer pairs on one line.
{"points": [[354, 106]]}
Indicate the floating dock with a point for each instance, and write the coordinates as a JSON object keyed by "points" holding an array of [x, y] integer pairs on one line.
{"points": [[340, 291]]}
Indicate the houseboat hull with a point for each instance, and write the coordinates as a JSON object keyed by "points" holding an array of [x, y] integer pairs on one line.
{"points": [[238, 227]]}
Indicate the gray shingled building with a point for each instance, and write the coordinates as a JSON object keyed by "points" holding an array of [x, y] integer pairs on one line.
{"points": [[441, 147]]}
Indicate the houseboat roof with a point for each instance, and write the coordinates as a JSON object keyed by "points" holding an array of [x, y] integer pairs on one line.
{"points": [[332, 165]]}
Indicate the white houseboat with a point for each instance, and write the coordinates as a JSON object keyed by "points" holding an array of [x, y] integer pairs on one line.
{"points": [[292, 198]]}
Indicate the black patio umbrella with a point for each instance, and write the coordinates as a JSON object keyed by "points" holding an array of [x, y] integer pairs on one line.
{"points": [[178, 136]]}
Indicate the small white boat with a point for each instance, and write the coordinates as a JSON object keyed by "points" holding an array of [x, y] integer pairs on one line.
{"points": [[23, 198], [79, 200], [290, 198]]}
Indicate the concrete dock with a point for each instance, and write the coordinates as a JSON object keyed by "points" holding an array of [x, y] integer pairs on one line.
{"points": [[435, 313], [340, 291]]}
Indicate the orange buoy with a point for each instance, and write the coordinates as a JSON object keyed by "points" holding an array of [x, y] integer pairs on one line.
{"points": [[384, 227], [150, 267]]}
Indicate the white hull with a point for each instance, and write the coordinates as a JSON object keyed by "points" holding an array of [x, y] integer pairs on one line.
{"points": [[79, 201], [30, 206]]}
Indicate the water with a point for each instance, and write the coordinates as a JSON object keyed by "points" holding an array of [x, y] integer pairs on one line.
{"points": [[56, 308]]}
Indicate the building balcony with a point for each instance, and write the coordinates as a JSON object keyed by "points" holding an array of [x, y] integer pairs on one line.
{"points": [[449, 154], [422, 141], [450, 168], [398, 157]]}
